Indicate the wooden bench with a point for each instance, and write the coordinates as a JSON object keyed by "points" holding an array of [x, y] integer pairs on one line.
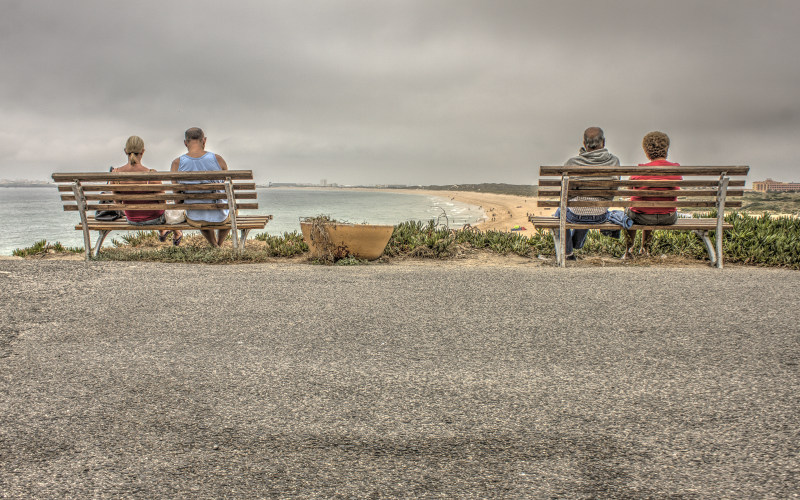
{"points": [[87, 192], [706, 188]]}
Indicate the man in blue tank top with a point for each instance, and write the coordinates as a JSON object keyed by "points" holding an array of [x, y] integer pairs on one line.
{"points": [[197, 159]]}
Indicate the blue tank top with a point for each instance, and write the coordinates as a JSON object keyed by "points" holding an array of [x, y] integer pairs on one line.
{"points": [[207, 162]]}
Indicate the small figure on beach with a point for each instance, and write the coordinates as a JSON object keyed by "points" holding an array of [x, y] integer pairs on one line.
{"points": [[197, 159], [134, 149], [592, 154], [656, 147]]}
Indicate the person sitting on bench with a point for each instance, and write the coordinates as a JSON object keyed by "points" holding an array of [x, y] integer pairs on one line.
{"points": [[592, 154], [655, 146], [134, 149], [197, 159]]}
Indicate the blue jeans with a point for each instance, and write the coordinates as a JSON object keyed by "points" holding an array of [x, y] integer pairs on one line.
{"points": [[576, 238]]}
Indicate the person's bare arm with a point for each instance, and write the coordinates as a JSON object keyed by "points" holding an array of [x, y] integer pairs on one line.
{"points": [[222, 164]]}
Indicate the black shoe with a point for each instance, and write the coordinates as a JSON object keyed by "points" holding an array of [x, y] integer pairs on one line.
{"points": [[571, 257]]}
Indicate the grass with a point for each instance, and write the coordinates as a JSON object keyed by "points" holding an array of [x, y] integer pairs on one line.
{"points": [[778, 203], [762, 241], [418, 239], [42, 247], [765, 240], [286, 245], [135, 239], [194, 249]]}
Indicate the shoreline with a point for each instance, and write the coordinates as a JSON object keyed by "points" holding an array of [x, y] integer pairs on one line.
{"points": [[501, 211]]}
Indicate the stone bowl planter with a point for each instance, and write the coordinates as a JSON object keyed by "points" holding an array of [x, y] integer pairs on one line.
{"points": [[338, 240]]}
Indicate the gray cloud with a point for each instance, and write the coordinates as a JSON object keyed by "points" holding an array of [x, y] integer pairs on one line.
{"points": [[397, 91]]}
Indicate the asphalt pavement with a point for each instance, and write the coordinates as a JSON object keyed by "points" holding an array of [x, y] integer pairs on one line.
{"points": [[431, 380]]}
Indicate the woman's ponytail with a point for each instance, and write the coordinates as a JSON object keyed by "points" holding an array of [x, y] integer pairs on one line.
{"points": [[133, 148]]}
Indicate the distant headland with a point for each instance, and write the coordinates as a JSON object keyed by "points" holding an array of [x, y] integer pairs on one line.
{"points": [[6, 183], [496, 188]]}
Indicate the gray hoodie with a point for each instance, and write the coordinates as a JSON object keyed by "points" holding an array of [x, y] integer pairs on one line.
{"points": [[596, 158]]}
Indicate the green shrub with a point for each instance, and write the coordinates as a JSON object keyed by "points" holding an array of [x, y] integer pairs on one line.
{"points": [[350, 261], [136, 238], [185, 254], [42, 247], [416, 238], [763, 241], [286, 245]]}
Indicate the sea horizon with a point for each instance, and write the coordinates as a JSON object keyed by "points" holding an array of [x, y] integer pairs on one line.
{"points": [[31, 214]]}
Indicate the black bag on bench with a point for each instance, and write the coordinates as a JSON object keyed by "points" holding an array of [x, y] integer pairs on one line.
{"points": [[107, 215]]}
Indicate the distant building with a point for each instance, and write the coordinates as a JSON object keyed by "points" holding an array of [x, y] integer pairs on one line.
{"points": [[770, 185]]}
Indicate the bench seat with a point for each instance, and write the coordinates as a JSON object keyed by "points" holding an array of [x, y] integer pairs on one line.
{"points": [[243, 222], [704, 224]]}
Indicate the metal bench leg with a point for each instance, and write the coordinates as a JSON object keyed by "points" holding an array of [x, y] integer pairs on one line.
{"points": [[102, 236], [712, 254], [557, 241], [80, 200], [243, 238]]}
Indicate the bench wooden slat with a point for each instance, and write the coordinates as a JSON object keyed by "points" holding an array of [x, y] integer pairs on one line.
{"points": [[704, 224], [160, 206], [629, 183], [153, 176], [628, 203], [241, 186], [242, 221], [559, 170], [629, 192], [161, 197]]}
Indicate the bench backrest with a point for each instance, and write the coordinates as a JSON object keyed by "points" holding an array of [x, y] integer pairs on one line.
{"points": [[706, 186], [87, 191]]}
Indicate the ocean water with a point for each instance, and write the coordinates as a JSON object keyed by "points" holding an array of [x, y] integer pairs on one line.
{"points": [[28, 215]]}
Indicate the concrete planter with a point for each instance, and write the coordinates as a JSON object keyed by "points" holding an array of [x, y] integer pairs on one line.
{"points": [[364, 241]]}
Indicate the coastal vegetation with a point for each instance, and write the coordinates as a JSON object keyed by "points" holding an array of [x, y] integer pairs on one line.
{"points": [[763, 240], [42, 247], [776, 203]]}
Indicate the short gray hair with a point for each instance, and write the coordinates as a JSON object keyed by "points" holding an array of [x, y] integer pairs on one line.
{"points": [[194, 134], [593, 138]]}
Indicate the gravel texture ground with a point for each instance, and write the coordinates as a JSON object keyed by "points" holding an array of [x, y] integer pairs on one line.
{"points": [[145, 380]]}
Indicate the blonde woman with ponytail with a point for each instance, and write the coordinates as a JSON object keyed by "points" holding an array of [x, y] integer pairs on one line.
{"points": [[134, 149]]}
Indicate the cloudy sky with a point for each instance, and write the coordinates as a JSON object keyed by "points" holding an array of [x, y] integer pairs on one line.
{"points": [[398, 91]]}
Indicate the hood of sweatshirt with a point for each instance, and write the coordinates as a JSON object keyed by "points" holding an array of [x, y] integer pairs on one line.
{"points": [[598, 157]]}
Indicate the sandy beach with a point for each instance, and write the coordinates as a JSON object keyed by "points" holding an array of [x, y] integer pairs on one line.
{"points": [[502, 211]]}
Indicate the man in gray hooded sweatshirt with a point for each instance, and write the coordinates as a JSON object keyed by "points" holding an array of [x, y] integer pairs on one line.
{"points": [[592, 154]]}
